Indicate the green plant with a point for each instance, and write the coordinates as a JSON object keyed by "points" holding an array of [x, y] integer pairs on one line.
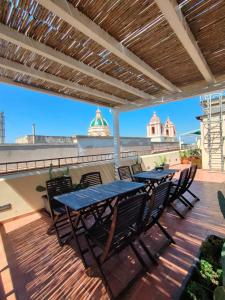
{"points": [[161, 162], [194, 152], [207, 280], [211, 277], [211, 250], [53, 174], [183, 154], [195, 292], [219, 292]]}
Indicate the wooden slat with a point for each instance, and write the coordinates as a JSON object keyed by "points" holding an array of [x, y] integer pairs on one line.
{"points": [[54, 79], [72, 16], [25, 42], [175, 18], [197, 89], [47, 91]]}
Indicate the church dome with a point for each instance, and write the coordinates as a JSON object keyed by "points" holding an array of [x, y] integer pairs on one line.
{"points": [[155, 118], [98, 120], [99, 126]]}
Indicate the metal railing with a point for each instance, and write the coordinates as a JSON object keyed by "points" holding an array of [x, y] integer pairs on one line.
{"points": [[20, 166]]}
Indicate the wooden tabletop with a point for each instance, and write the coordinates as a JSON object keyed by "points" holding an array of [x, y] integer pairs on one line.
{"points": [[94, 195], [154, 174]]}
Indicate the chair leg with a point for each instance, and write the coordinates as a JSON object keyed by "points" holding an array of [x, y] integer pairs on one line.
{"points": [[182, 201], [193, 195], [176, 211], [54, 229], [148, 252], [187, 201], [138, 256], [105, 282], [73, 229], [165, 232]]}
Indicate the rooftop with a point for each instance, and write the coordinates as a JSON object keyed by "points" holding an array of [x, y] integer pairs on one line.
{"points": [[34, 266]]}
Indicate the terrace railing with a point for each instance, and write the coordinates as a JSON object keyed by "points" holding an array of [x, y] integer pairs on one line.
{"points": [[20, 166]]}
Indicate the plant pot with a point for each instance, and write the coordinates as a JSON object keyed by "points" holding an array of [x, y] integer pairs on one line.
{"points": [[185, 161]]}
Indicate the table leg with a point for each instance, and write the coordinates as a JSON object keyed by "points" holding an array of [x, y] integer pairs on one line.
{"points": [[74, 228]]}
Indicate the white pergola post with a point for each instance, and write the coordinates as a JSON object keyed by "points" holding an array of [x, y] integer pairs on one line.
{"points": [[116, 140]]}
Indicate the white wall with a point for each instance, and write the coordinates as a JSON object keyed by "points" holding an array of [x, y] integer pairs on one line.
{"points": [[19, 190], [13, 152]]}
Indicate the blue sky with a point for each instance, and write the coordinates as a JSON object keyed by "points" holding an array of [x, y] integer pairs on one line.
{"points": [[56, 116]]}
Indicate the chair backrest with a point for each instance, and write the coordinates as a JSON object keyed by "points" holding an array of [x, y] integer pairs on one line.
{"points": [[180, 186], [160, 195], [90, 179], [192, 173], [182, 182], [125, 173], [58, 186], [127, 215], [157, 203], [136, 168]]}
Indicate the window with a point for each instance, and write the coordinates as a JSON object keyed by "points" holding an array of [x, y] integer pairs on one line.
{"points": [[153, 130], [167, 132]]}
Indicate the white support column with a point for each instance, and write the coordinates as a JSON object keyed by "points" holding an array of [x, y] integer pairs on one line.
{"points": [[116, 140]]}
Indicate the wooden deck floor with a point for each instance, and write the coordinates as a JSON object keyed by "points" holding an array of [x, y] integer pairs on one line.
{"points": [[34, 266]]}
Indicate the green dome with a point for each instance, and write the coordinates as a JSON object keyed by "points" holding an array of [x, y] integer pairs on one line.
{"points": [[98, 120]]}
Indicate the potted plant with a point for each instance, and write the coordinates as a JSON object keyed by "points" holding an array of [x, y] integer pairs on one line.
{"points": [[184, 157], [54, 174], [161, 163], [195, 157]]}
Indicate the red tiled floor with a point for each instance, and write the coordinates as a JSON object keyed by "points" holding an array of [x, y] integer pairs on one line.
{"points": [[33, 266]]}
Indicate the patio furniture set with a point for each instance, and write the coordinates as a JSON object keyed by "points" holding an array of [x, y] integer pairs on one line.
{"points": [[113, 216]]}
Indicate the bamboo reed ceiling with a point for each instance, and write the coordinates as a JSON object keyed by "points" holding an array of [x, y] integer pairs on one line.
{"points": [[139, 26], [207, 22], [46, 86]]}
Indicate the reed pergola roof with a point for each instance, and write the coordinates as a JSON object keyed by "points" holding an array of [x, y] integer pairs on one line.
{"points": [[124, 54]]}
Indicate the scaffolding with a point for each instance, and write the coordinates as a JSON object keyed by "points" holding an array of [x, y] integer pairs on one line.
{"points": [[2, 128], [213, 138]]}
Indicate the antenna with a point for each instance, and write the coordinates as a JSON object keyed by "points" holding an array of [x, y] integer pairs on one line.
{"points": [[2, 128]]}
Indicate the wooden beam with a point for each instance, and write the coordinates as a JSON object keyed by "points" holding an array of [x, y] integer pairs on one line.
{"points": [[16, 67], [197, 89], [82, 23], [19, 39], [173, 14], [43, 91]]}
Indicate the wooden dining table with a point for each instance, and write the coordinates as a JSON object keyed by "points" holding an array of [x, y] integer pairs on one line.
{"points": [[89, 199], [154, 177]]}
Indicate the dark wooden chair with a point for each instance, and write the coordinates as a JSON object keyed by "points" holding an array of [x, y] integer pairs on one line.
{"points": [[192, 173], [177, 190], [60, 224], [116, 233], [153, 211], [191, 176], [125, 173], [136, 168], [91, 179]]}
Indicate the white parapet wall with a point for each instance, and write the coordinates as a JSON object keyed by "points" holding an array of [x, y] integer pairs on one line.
{"points": [[19, 189], [172, 158]]}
